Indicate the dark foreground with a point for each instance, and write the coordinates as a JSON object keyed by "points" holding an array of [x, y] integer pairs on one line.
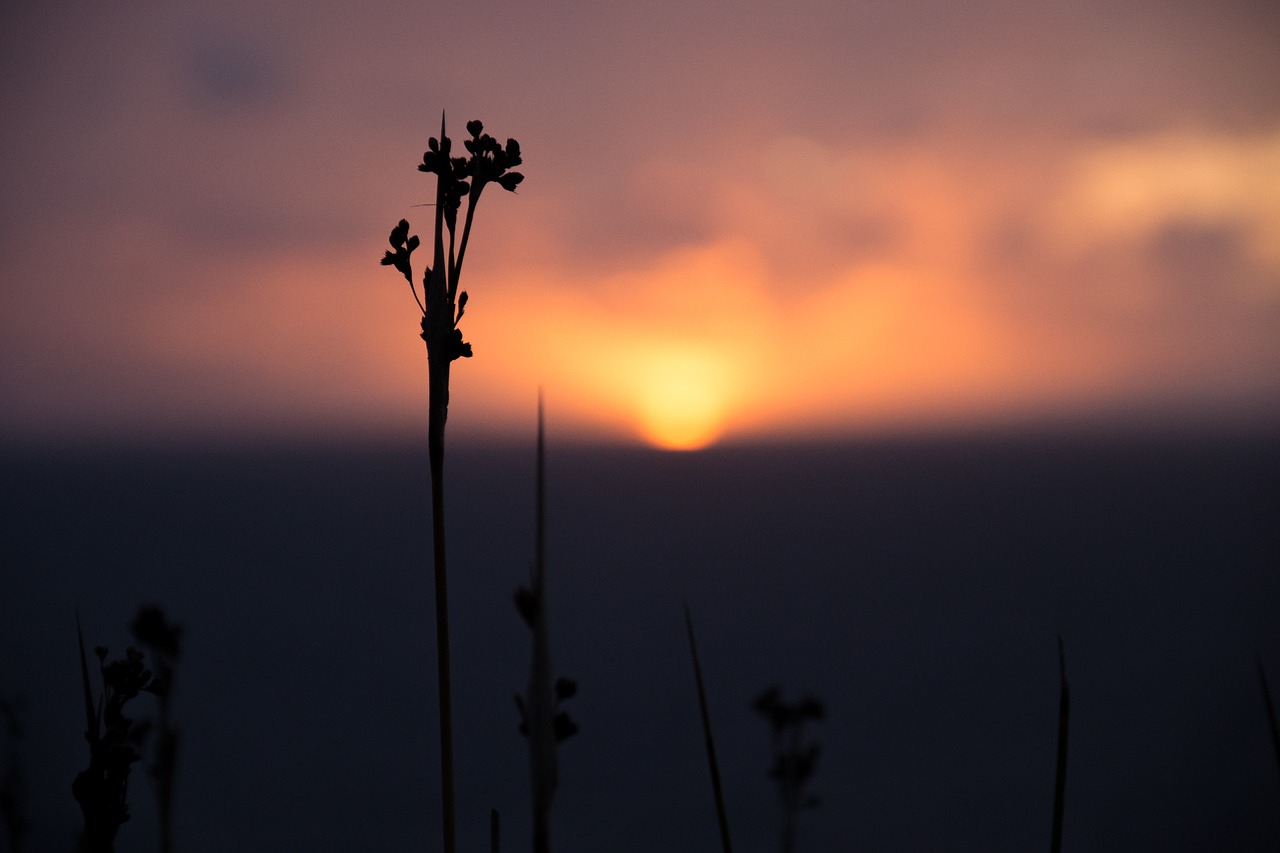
{"points": [[917, 587]]}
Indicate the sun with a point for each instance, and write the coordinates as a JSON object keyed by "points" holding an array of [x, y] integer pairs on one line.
{"points": [[681, 402]]}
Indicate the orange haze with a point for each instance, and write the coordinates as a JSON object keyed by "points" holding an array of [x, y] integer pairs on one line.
{"points": [[773, 321], [736, 334]]}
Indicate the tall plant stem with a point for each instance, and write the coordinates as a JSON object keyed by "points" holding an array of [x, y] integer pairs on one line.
{"points": [[1271, 712], [442, 307], [542, 740], [438, 372], [1060, 780], [437, 325], [716, 789]]}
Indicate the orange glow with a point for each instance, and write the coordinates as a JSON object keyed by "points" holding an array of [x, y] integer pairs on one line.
{"points": [[665, 354], [746, 331], [681, 398], [698, 347], [1130, 189]]}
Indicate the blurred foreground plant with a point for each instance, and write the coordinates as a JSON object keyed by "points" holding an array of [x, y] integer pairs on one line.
{"points": [[794, 760], [1064, 730], [114, 742], [717, 791], [163, 640], [540, 721], [442, 306], [12, 783]]}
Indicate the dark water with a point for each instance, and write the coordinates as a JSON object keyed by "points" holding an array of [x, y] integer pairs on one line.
{"points": [[916, 587]]}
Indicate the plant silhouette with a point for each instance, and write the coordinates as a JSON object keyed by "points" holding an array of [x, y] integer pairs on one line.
{"points": [[794, 760], [540, 722], [114, 743], [717, 791], [1064, 730], [12, 782], [1272, 723], [442, 305], [164, 641]]}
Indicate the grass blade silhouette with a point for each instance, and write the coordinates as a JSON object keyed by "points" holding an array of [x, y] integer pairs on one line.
{"points": [[541, 722], [1060, 778], [721, 815], [90, 716], [1271, 712]]}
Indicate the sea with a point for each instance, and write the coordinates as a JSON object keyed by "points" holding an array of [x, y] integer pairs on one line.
{"points": [[916, 587]]}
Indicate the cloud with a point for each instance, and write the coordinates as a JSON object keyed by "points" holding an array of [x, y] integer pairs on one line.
{"points": [[1129, 190], [229, 73]]}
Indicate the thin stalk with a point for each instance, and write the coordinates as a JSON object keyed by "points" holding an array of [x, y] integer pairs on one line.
{"points": [[453, 271], [414, 291], [438, 362], [716, 789], [12, 788], [90, 716], [439, 397], [541, 722], [473, 198], [790, 815], [1060, 781], [541, 701], [1271, 712]]}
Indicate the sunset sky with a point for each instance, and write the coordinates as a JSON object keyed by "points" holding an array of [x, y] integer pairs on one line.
{"points": [[739, 220]]}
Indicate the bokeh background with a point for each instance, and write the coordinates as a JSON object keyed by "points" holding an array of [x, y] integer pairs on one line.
{"points": [[971, 313], [740, 219]]}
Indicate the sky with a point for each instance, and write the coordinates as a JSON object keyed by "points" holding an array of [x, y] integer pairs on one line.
{"points": [[738, 220]]}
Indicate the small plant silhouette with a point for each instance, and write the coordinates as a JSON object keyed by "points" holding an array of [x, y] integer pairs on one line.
{"points": [[114, 743], [1064, 731], [164, 641], [12, 783], [442, 305], [1272, 723], [540, 720], [794, 760]]}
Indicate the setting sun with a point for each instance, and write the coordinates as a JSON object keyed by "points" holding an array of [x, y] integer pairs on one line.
{"points": [[681, 400]]}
